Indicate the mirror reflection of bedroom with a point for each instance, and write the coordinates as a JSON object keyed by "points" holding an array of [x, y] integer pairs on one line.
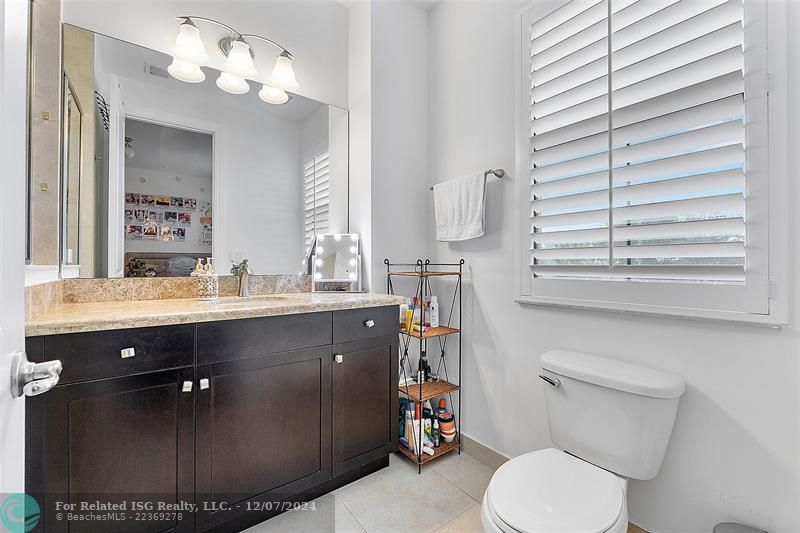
{"points": [[168, 185]]}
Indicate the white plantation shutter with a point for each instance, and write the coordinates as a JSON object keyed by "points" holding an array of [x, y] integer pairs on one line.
{"points": [[316, 196], [637, 156]]}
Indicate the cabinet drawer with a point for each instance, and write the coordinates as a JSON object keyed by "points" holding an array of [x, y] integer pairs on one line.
{"points": [[354, 324], [100, 354], [237, 339]]}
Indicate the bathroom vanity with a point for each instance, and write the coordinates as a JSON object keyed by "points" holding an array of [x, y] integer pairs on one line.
{"points": [[175, 413], [232, 416]]}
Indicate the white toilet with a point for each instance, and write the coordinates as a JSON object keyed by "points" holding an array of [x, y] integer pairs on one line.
{"points": [[613, 421]]}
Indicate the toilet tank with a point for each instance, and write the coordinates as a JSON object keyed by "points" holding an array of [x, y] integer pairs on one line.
{"points": [[616, 415]]}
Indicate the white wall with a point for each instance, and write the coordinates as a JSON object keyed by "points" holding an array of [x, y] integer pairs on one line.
{"points": [[164, 183], [261, 176], [735, 451], [360, 104], [400, 194], [388, 133], [315, 31]]}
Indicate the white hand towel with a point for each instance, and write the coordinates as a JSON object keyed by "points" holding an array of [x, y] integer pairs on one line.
{"points": [[459, 208]]}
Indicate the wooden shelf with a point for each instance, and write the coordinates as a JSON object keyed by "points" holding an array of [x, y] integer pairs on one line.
{"points": [[424, 274], [430, 390], [444, 447], [441, 331]]}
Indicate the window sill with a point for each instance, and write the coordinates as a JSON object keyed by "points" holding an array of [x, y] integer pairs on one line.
{"points": [[655, 310]]}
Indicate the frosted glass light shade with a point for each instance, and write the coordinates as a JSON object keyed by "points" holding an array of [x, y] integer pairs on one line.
{"points": [[273, 95], [231, 83], [240, 62], [283, 74], [188, 45], [185, 71]]}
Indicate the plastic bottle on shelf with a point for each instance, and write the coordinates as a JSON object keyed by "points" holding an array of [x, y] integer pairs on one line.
{"points": [[433, 312], [424, 367]]}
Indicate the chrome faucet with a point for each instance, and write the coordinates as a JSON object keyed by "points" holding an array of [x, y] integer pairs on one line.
{"points": [[244, 278]]}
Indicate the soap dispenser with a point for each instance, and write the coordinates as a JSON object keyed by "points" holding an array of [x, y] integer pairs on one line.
{"points": [[207, 281]]}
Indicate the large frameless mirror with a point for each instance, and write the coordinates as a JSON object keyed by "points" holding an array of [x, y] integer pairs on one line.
{"points": [[152, 173]]}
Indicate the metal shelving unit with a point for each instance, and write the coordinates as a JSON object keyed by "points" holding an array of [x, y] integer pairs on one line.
{"points": [[424, 272]]}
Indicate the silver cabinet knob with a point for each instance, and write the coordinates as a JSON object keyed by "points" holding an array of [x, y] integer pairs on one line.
{"points": [[339, 358], [127, 352], [369, 323], [187, 386], [204, 384]]}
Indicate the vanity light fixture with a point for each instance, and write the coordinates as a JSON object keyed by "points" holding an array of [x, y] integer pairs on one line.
{"points": [[189, 52], [231, 83], [283, 73], [273, 95], [240, 62], [189, 46], [185, 71]]}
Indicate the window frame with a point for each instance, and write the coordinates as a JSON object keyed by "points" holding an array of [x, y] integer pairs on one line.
{"points": [[764, 297]]}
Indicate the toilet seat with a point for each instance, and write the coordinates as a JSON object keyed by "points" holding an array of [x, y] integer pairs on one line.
{"points": [[551, 491]]}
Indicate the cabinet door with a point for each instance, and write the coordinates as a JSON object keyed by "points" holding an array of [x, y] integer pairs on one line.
{"points": [[364, 402], [263, 432], [124, 441]]}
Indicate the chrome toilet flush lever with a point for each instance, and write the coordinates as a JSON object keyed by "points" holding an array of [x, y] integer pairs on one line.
{"points": [[32, 379], [555, 382]]}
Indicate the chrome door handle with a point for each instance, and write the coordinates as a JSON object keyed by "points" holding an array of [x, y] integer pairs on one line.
{"points": [[31, 379], [555, 382], [369, 323]]}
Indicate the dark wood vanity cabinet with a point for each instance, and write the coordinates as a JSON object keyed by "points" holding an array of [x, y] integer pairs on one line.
{"points": [[117, 440], [364, 402], [263, 431], [260, 411]]}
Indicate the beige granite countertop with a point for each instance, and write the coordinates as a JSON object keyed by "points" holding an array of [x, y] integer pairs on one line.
{"points": [[98, 316]]}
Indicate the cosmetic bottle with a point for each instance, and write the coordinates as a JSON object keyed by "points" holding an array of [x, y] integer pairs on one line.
{"points": [[403, 308], [433, 312], [436, 435], [442, 408], [428, 429], [424, 367], [409, 319]]}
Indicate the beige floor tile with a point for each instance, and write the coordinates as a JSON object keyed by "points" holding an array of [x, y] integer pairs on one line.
{"points": [[466, 473], [329, 516], [467, 522], [396, 499]]}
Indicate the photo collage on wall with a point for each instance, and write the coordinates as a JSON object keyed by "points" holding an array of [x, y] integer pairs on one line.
{"points": [[166, 218]]}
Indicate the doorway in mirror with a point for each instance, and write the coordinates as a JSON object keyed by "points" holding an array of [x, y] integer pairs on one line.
{"points": [[168, 215]]}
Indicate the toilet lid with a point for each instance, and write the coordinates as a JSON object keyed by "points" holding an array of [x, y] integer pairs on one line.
{"points": [[552, 491]]}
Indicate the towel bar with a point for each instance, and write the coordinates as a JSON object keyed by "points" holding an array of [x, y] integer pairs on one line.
{"points": [[498, 172]]}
